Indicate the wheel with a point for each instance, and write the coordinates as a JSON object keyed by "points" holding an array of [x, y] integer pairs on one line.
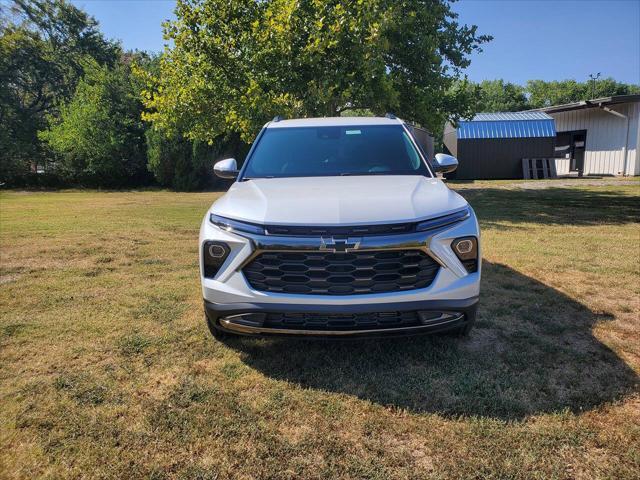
{"points": [[214, 329], [464, 330]]}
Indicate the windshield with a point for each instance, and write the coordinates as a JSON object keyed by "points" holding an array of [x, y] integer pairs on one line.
{"points": [[333, 151]]}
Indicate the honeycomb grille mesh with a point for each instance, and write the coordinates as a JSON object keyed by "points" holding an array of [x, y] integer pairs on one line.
{"points": [[346, 321], [325, 273]]}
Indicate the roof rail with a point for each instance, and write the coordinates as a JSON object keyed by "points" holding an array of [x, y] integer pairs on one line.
{"points": [[390, 115], [277, 118]]}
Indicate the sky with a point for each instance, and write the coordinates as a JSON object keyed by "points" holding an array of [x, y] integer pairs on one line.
{"points": [[533, 39]]}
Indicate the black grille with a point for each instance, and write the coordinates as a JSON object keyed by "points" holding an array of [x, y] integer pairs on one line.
{"points": [[305, 231], [355, 321], [324, 273]]}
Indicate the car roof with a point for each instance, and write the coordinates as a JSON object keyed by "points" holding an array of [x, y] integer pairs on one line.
{"points": [[333, 122]]}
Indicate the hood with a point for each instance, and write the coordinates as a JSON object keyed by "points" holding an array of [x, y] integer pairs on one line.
{"points": [[348, 200]]}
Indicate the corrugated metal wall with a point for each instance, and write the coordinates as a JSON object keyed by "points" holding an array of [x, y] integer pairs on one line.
{"points": [[606, 138], [633, 160], [499, 157], [562, 166]]}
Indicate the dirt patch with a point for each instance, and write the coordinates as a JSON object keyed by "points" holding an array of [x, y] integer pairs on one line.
{"points": [[577, 182]]}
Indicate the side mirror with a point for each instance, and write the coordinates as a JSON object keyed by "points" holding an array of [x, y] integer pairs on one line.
{"points": [[227, 168], [445, 163]]}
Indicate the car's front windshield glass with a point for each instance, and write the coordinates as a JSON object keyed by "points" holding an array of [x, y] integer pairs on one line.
{"points": [[334, 151]]}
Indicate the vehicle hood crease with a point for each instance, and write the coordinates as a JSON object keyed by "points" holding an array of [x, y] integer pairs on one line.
{"points": [[348, 200]]}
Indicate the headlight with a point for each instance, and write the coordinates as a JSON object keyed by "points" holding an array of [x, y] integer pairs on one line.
{"points": [[466, 249], [235, 225], [443, 221]]}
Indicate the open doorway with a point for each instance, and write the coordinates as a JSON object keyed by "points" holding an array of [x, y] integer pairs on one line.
{"points": [[571, 145]]}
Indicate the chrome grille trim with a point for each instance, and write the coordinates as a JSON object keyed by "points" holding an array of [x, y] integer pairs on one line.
{"points": [[368, 230]]}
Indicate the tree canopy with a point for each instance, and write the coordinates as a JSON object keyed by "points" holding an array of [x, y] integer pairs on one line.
{"points": [[99, 135], [237, 63], [544, 94], [70, 103], [43, 48], [501, 96]]}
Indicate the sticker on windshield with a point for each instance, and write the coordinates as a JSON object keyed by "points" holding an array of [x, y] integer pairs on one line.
{"points": [[353, 132]]}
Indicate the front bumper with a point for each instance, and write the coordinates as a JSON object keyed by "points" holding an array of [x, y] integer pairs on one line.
{"points": [[232, 305], [253, 318]]}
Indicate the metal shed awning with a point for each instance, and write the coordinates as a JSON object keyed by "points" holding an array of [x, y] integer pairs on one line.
{"points": [[507, 125], [595, 103]]}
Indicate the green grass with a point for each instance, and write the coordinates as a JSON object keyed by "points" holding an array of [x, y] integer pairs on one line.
{"points": [[108, 371]]}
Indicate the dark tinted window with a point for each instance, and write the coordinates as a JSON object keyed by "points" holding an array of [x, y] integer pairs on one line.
{"points": [[331, 151]]}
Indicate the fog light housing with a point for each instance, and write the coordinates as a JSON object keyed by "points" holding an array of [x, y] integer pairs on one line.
{"points": [[214, 255], [466, 249]]}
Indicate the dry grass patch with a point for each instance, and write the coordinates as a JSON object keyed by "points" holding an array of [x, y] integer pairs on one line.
{"points": [[108, 370]]}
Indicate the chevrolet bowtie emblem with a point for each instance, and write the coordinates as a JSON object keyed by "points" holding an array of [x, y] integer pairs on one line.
{"points": [[339, 245]]}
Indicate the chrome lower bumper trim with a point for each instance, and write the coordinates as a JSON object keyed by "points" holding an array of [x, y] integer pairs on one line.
{"points": [[228, 324]]}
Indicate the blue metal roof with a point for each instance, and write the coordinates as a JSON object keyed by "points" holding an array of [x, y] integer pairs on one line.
{"points": [[511, 116], [508, 125]]}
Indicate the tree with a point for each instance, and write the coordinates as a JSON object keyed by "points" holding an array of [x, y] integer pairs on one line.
{"points": [[178, 162], [237, 63], [182, 164], [43, 48], [100, 135], [501, 96], [544, 94]]}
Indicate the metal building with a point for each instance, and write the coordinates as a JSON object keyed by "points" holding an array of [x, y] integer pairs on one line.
{"points": [[598, 137], [492, 145]]}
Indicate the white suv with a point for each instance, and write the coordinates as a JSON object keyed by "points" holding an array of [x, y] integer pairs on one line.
{"points": [[339, 227]]}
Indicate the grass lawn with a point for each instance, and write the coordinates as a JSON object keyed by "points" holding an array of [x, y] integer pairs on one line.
{"points": [[107, 369]]}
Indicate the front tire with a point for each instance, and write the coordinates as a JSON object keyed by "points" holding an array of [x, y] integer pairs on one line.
{"points": [[214, 329], [465, 330]]}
